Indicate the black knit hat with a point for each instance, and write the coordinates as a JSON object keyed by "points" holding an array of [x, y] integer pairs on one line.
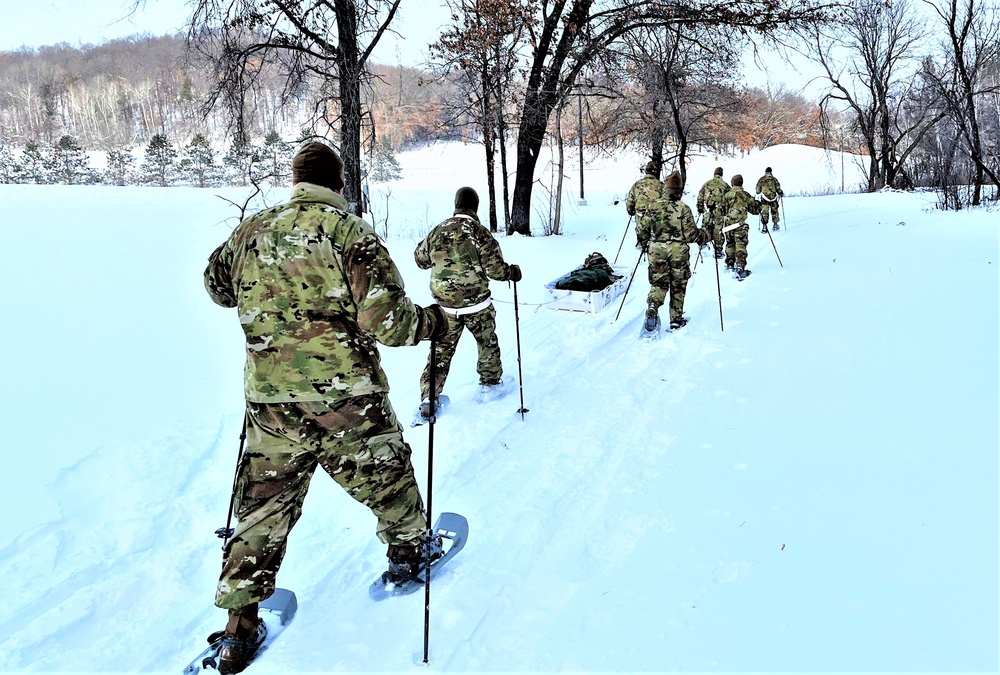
{"points": [[652, 168], [767, 170], [718, 171], [319, 164], [737, 180], [466, 198]]}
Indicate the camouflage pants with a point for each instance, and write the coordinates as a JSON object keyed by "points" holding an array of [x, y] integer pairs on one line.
{"points": [[767, 208], [669, 271], [358, 442], [736, 247], [714, 225], [483, 326]]}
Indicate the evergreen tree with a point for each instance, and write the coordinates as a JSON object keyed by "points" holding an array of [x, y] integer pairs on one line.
{"points": [[160, 164], [242, 162], [70, 164], [119, 170], [198, 163], [32, 167], [8, 165], [276, 166], [384, 166]]}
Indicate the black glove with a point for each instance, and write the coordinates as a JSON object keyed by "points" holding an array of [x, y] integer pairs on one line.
{"points": [[435, 323], [515, 274], [701, 209], [780, 193], [642, 245]]}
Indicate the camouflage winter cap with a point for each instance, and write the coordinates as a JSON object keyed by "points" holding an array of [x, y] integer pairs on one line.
{"points": [[466, 198], [737, 180], [319, 164], [718, 171], [673, 181]]}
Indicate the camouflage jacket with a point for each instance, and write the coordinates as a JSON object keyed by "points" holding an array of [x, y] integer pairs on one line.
{"points": [[462, 256], [769, 186], [645, 190], [315, 288], [710, 195], [737, 203], [668, 224]]}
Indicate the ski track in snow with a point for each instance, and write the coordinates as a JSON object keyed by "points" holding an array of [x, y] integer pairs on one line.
{"points": [[792, 493]]}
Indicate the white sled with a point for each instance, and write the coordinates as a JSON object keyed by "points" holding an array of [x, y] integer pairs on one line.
{"points": [[588, 301]]}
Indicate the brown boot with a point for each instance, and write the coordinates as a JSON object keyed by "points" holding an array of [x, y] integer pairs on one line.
{"points": [[243, 636]]}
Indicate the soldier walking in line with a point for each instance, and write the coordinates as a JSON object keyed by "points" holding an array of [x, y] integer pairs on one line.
{"points": [[665, 233], [315, 290], [644, 191], [736, 204], [709, 205], [463, 256], [769, 192]]}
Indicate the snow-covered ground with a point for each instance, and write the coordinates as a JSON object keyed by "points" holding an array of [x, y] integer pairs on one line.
{"points": [[813, 488]]}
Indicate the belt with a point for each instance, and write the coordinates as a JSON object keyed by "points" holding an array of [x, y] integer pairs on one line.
{"points": [[471, 309]]}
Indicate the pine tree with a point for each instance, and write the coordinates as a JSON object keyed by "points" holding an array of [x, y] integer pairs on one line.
{"points": [[198, 163], [8, 165], [384, 166], [276, 166], [70, 164], [33, 164], [160, 164], [119, 170], [241, 162]]}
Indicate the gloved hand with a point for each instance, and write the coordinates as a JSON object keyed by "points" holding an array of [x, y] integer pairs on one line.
{"points": [[642, 246], [701, 209], [435, 323], [780, 193], [704, 237], [515, 273]]}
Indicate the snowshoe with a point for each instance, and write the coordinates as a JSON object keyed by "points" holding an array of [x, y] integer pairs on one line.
{"points": [[740, 275], [493, 391], [406, 574], [423, 414], [775, 228], [651, 325], [237, 651], [678, 323]]}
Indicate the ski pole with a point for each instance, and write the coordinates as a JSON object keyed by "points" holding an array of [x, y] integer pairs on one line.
{"points": [[694, 268], [623, 239], [775, 247], [718, 285], [224, 533], [517, 331], [782, 200], [625, 294], [430, 499]]}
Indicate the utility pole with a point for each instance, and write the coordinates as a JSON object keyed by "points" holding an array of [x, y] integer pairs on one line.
{"points": [[583, 201]]}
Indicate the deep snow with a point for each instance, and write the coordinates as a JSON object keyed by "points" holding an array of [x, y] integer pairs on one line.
{"points": [[815, 488]]}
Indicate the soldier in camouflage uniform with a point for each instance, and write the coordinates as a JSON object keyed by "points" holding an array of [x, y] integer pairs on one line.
{"points": [[315, 289], [463, 256], [644, 191], [710, 200], [768, 192], [736, 204], [665, 233]]}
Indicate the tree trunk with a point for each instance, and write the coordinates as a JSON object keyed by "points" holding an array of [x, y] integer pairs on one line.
{"points": [[502, 134], [557, 221], [350, 101]]}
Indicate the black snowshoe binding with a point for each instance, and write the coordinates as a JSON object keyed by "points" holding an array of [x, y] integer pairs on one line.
{"points": [[775, 228], [741, 274], [238, 648], [678, 323], [406, 563]]}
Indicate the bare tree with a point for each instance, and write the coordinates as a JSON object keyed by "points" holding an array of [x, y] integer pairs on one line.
{"points": [[869, 59], [569, 34], [325, 41], [482, 49], [972, 46]]}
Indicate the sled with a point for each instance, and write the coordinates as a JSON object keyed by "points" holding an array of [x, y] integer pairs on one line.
{"points": [[588, 301]]}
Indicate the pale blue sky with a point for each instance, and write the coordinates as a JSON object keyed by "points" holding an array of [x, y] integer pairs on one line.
{"points": [[36, 23]]}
